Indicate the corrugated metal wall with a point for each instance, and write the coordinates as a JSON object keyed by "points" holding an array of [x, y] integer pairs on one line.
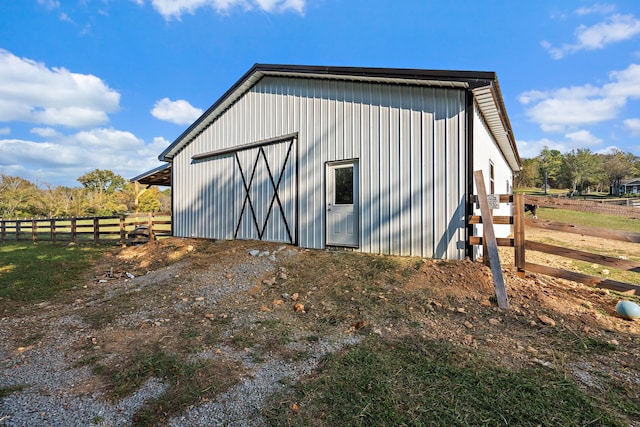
{"points": [[411, 146]]}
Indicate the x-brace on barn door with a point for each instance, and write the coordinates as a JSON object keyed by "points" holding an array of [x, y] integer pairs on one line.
{"points": [[268, 175]]}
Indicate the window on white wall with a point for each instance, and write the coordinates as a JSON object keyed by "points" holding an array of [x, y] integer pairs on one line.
{"points": [[492, 178]]}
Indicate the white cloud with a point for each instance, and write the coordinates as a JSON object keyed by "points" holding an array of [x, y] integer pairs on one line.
{"points": [[31, 92], [63, 158], [601, 8], [16, 151], [633, 126], [65, 18], [174, 9], [49, 4], [530, 149], [609, 150], [159, 144], [179, 112], [281, 5], [559, 109], [583, 138], [573, 107], [626, 83], [45, 132], [570, 141], [5, 130], [613, 29]]}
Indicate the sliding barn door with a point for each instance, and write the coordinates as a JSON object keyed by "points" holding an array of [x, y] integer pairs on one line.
{"points": [[266, 192]]}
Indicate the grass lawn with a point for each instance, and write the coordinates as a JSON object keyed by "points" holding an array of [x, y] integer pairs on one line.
{"points": [[590, 219], [419, 382], [30, 274], [540, 192]]}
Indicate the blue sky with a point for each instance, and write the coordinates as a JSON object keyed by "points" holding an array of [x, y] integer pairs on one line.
{"points": [[108, 84]]}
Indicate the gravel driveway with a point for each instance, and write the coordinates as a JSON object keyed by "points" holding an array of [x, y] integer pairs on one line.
{"points": [[50, 387]]}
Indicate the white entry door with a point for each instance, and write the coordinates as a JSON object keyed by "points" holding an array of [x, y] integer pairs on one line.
{"points": [[342, 204]]}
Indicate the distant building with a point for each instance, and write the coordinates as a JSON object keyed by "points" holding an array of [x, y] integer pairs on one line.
{"points": [[627, 186]]}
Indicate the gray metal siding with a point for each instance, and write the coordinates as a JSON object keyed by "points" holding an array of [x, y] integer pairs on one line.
{"points": [[410, 142]]}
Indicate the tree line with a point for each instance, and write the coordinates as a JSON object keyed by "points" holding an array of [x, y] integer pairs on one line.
{"points": [[102, 193], [580, 170]]}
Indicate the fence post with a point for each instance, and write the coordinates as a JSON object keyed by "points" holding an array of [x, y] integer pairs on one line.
{"points": [[34, 231], [122, 231], [73, 230], [17, 231], [150, 222], [52, 229], [518, 234], [3, 232], [96, 230]]}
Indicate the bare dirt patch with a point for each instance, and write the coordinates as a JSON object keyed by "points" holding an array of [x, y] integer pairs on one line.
{"points": [[243, 305]]}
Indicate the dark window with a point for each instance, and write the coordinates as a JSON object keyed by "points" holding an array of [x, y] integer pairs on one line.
{"points": [[343, 181], [492, 179]]}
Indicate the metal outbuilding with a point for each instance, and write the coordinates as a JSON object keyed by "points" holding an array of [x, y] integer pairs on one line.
{"points": [[380, 160]]}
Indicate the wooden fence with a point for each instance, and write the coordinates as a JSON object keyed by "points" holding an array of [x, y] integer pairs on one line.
{"points": [[104, 229], [521, 246], [621, 207]]}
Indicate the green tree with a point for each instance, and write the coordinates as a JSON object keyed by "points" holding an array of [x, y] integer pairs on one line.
{"points": [[149, 201], [581, 167], [16, 196], [617, 166], [127, 197], [550, 162], [529, 175], [49, 201], [165, 200], [102, 181], [101, 192]]}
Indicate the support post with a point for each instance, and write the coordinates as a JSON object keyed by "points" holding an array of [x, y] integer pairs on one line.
{"points": [[136, 202], [492, 244], [518, 234]]}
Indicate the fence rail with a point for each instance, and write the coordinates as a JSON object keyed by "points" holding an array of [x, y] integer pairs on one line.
{"points": [[103, 229], [620, 207], [626, 201], [521, 245]]}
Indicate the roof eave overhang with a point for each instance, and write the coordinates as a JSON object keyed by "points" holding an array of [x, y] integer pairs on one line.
{"points": [[489, 101]]}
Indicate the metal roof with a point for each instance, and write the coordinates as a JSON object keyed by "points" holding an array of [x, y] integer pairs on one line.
{"points": [[158, 176], [483, 85]]}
